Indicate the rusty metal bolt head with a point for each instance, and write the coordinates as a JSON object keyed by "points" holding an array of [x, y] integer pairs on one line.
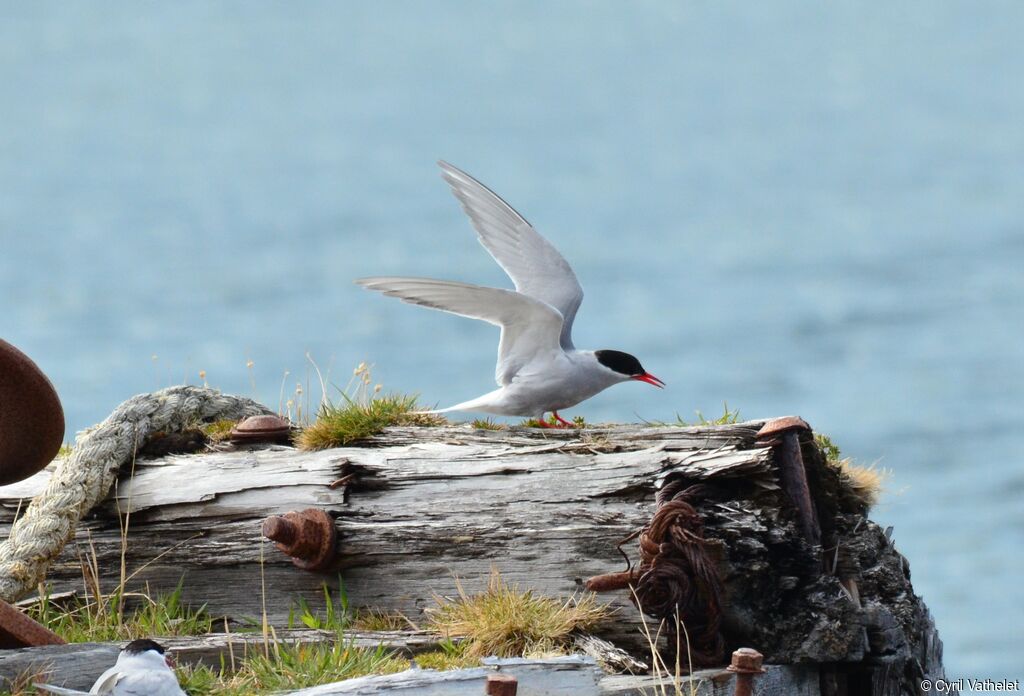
{"points": [[778, 426], [31, 417], [309, 537], [746, 661], [499, 684], [266, 428]]}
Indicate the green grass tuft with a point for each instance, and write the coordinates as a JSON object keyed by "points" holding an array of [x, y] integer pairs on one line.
{"points": [[451, 655], [727, 418], [506, 621], [578, 422], [107, 619], [219, 430], [290, 667], [828, 448], [488, 424], [337, 426], [336, 616]]}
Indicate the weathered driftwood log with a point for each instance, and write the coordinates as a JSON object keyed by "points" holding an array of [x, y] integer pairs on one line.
{"points": [[422, 506], [416, 508]]}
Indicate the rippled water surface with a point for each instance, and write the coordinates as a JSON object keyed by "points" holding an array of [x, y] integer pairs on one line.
{"points": [[813, 210]]}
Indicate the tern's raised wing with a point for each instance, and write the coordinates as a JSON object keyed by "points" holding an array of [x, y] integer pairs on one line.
{"points": [[528, 326], [534, 265]]}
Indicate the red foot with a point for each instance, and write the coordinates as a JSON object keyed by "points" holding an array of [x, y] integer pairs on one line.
{"points": [[563, 421]]}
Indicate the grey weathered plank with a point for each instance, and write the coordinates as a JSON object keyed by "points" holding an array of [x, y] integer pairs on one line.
{"points": [[572, 675], [778, 680], [77, 665]]}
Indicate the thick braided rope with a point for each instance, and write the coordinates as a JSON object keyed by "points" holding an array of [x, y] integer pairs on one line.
{"points": [[83, 480]]}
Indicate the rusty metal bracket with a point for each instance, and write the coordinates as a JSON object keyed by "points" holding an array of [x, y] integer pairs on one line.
{"points": [[17, 630]]}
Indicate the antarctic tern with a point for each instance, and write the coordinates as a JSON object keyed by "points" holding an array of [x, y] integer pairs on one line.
{"points": [[141, 669], [539, 369]]}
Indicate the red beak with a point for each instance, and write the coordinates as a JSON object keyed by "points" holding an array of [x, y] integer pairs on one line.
{"points": [[650, 379]]}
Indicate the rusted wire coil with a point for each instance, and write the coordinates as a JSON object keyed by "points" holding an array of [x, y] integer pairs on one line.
{"points": [[676, 581]]}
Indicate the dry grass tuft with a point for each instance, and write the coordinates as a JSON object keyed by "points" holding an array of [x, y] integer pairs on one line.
{"points": [[506, 621], [866, 482], [381, 620]]}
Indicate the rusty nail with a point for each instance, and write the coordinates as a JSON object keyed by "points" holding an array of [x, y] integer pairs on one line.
{"points": [[31, 417], [309, 537], [746, 662], [341, 482], [265, 428], [783, 433], [499, 684], [610, 581], [17, 630]]}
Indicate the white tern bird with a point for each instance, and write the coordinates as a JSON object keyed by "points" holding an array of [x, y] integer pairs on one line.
{"points": [[141, 669], [539, 369]]}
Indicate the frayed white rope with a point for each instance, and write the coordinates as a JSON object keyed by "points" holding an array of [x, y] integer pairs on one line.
{"points": [[84, 479]]}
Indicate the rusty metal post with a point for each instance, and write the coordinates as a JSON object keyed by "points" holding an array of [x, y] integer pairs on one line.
{"points": [[19, 631], [746, 662], [499, 684], [784, 435]]}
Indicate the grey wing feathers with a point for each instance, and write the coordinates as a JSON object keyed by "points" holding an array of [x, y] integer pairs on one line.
{"points": [[534, 265], [61, 690], [528, 326]]}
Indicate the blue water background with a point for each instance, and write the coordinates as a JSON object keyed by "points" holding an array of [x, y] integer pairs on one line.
{"points": [[794, 208]]}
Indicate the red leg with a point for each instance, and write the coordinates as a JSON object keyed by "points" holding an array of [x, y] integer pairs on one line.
{"points": [[563, 421]]}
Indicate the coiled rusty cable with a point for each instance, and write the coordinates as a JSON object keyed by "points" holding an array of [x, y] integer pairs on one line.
{"points": [[676, 581]]}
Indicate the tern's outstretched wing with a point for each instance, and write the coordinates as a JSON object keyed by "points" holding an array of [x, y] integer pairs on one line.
{"points": [[534, 265], [60, 690], [528, 326]]}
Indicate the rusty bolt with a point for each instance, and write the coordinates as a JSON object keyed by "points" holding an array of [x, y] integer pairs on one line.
{"points": [[266, 428], [610, 581], [309, 537], [783, 435], [746, 662], [501, 685], [31, 417], [778, 426]]}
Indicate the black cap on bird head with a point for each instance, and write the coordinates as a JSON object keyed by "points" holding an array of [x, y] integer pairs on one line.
{"points": [[626, 365], [137, 647]]}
